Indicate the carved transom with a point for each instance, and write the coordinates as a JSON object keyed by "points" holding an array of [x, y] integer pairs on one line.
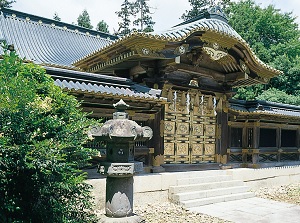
{"points": [[213, 53]]}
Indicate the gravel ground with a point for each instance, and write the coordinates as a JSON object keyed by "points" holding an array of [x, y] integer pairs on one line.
{"points": [[168, 212], [171, 213], [288, 193]]}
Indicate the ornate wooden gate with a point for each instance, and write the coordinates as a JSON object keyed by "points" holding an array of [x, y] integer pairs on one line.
{"points": [[190, 128]]}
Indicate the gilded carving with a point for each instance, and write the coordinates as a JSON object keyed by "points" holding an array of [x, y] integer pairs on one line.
{"points": [[244, 67], [209, 149], [198, 129], [145, 51], [183, 99], [171, 107], [219, 105], [182, 109], [169, 127], [148, 52], [194, 83], [210, 103], [183, 128], [210, 130], [190, 129], [211, 37], [169, 148], [181, 49], [214, 54], [182, 148], [197, 149]]}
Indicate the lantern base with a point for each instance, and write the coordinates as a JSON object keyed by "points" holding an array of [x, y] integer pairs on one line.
{"points": [[131, 219]]}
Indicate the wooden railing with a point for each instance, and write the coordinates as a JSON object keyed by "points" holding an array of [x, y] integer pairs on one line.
{"points": [[262, 155]]}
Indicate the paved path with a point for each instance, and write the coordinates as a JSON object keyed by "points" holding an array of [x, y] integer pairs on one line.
{"points": [[256, 210]]}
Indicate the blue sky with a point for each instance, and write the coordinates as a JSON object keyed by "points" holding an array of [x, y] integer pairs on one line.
{"points": [[166, 12]]}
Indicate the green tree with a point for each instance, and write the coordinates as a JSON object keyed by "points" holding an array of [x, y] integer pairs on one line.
{"points": [[201, 6], [56, 17], [102, 27], [275, 95], [6, 3], [274, 37], [141, 10], [135, 15], [83, 20], [42, 132], [124, 14]]}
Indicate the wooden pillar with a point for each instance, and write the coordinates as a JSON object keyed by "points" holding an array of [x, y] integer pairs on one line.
{"points": [[224, 133], [255, 151], [278, 144], [298, 142], [157, 141], [222, 143], [244, 145]]}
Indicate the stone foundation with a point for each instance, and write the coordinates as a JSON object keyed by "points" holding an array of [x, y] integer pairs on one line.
{"points": [[154, 188]]}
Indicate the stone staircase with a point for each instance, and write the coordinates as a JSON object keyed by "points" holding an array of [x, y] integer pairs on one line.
{"points": [[197, 189]]}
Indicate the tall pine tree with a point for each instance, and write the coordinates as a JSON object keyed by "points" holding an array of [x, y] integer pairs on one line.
{"points": [[124, 14], [144, 20], [83, 20], [135, 15], [102, 27]]}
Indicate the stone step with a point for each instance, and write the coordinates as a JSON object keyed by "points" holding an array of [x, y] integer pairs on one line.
{"points": [[216, 199], [193, 174], [177, 198], [204, 186], [199, 180]]}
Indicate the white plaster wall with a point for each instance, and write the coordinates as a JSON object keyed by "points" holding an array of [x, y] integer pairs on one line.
{"points": [[266, 177]]}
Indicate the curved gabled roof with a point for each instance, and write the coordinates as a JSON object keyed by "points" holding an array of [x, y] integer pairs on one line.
{"points": [[215, 25], [47, 41], [213, 28]]}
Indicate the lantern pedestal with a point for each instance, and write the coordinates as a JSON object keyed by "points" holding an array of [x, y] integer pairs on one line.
{"points": [[120, 133]]}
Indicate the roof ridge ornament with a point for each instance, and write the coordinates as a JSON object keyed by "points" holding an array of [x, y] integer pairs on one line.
{"points": [[217, 13]]}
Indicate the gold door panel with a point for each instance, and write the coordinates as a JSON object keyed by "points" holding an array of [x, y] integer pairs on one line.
{"points": [[190, 128]]}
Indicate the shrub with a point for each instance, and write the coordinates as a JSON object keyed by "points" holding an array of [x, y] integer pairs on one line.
{"points": [[42, 132]]}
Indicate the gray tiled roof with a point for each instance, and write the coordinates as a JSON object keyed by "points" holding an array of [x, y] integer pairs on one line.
{"points": [[56, 45], [265, 108], [46, 41], [83, 82], [215, 25], [101, 89]]}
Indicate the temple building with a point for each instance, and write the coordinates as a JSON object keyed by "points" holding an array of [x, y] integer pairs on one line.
{"points": [[179, 82]]}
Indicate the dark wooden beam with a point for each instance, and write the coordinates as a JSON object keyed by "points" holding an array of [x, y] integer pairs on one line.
{"points": [[200, 71]]}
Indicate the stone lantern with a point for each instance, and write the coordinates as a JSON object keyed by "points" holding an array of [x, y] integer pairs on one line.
{"points": [[120, 133]]}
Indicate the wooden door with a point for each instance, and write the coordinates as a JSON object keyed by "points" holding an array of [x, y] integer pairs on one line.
{"points": [[189, 128]]}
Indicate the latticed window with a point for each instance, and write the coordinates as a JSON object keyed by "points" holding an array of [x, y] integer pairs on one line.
{"points": [[288, 138], [267, 137], [236, 137]]}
